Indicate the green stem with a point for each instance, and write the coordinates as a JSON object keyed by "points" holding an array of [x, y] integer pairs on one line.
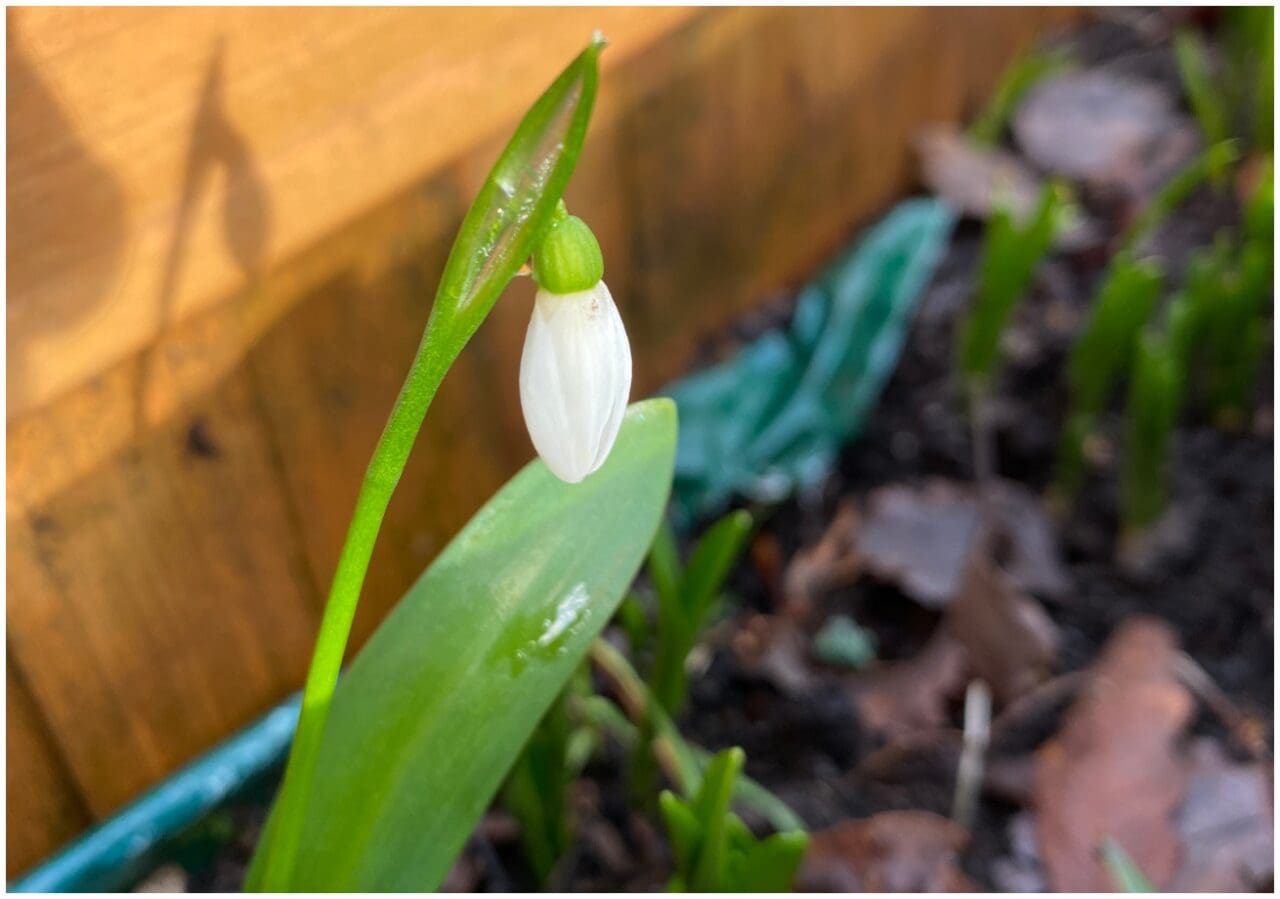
{"points": [[380, 480]]}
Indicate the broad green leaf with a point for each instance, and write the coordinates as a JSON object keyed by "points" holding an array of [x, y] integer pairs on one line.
{"points": [[435, 708]]}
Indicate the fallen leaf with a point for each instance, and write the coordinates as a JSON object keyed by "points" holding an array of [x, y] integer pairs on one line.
{"points": [[1113, 770], [830, 563], [1104, 129], [977, 179], [891, 852], [974, 177], [1010, 641], [1225, 823], [991, 630], [912, 695], [921, 539], [773, 648]]}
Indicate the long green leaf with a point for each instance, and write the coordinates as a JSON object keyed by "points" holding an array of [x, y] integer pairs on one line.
{"points": [[437, 705]]}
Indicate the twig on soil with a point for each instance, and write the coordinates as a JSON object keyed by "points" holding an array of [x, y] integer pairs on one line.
{"points": [[1042, 695], [1247, 731], [977, 732]]}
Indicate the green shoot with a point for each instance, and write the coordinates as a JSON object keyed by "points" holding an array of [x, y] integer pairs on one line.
{"points": [[1237, 332], [1021, 75], [1249, 79], [1211, 165], [536, 792], [1010, 256], [714, 850], [1260, 208], [1155, 390], [1128, 877], [683, 762], [688, 597], [1207, 102], [1101, 354]]}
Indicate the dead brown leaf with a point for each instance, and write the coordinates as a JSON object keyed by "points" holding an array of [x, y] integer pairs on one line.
{"points": [[973, 177], [910, 696], [1009, 640], [830, 563], [891, 852], [774, 648], [977, 179], [1113, 770], [1225, 823], [991, 630], [921, 538], [1104, 129]]}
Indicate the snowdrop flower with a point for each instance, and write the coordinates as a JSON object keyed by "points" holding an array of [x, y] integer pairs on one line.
{"points": [[575, 374]]}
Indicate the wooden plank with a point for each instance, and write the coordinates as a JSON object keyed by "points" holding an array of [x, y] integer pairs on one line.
{"points": [[164, 601], [42, 806], [299, 119]]}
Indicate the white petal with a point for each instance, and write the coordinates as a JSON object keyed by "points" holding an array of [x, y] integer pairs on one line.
{"points": [[575, 379]]}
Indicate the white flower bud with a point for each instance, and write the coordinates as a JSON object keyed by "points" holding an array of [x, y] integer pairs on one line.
{"points": [[575, 378]]}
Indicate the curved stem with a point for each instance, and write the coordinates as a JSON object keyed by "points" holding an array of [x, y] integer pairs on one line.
{"points": [[380, 480]]}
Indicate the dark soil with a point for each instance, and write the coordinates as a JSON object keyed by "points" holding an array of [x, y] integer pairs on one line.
{"points": [[1213, 584]]}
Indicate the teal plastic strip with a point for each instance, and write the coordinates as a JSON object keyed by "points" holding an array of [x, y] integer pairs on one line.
{"points": [[112, 855], [764, 423]]}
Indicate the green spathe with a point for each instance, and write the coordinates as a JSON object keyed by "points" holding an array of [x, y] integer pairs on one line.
{"points": [[436, 707]]}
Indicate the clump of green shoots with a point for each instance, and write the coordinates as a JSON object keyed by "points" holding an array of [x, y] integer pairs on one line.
{"points": [[714, 849], [1130, 287], [536, 792], [1101, 355], [688, 597], [1234, 98], [1011, 253], [1218, 318]]}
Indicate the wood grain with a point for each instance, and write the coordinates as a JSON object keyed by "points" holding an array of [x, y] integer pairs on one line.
{"points": [[295, 122], [42, 806], [162, 602]]}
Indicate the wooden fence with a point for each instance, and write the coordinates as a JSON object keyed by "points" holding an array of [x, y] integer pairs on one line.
{"points": [[225, 228]]}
